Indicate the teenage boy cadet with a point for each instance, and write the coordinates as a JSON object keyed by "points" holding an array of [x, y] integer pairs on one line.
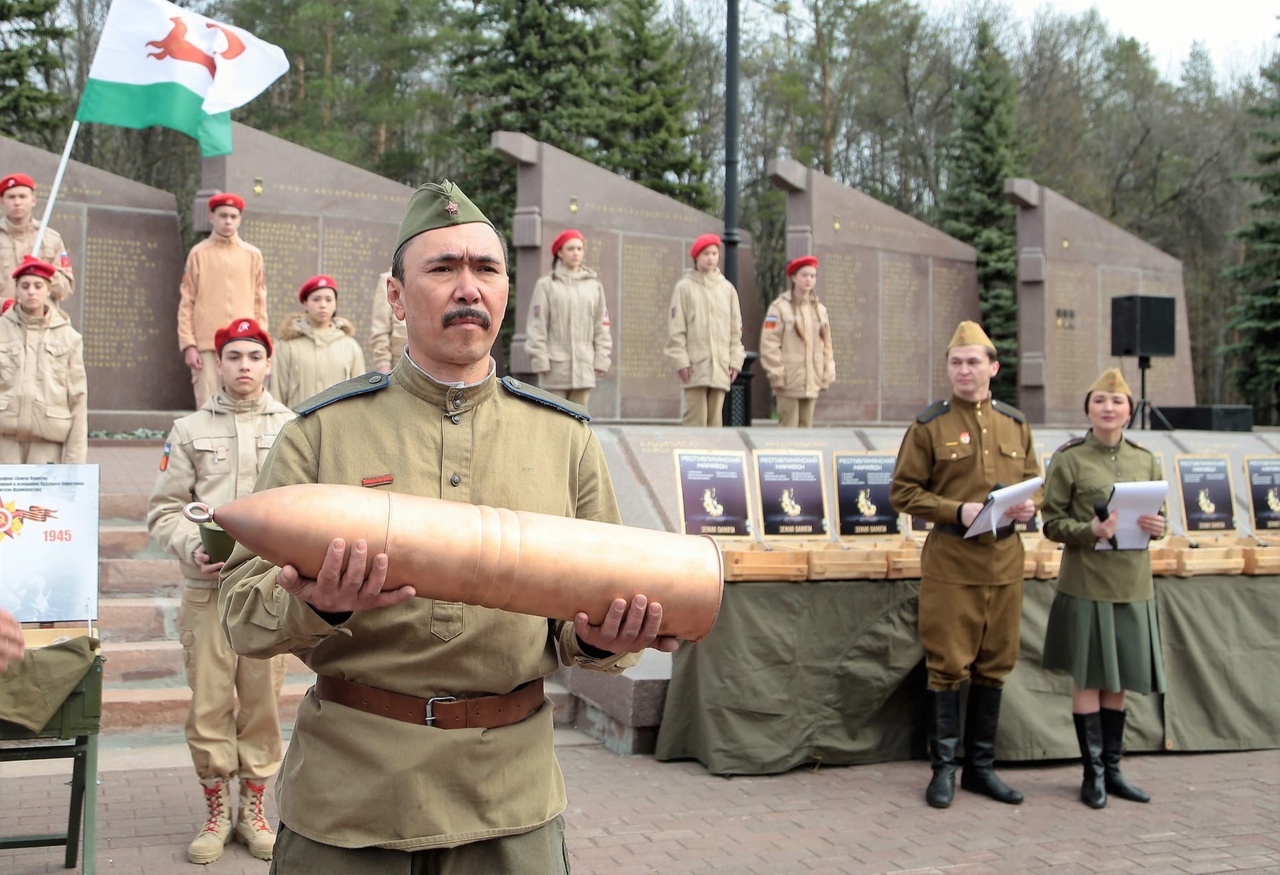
{"points": [[704, 335], [426, 744], [224, 281], [213, 456], [44, 407], [387, 334], [18, 229], [954, 453]]}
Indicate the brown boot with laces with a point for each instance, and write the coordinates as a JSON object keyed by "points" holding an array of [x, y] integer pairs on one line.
{"points": [[216, 831], [251, 825]]}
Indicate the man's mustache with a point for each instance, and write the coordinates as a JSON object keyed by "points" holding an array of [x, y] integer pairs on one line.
{"points": [[467, 313]]}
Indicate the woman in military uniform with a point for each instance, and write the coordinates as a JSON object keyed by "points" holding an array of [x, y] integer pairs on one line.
{"points": [[1102, 626]]}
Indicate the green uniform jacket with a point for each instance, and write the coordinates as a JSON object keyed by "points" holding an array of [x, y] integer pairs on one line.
{"points": [[957, 451], [354, 779], [1081, 475]]}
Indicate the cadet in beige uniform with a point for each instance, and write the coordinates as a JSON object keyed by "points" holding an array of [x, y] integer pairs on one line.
{"points": [[387, 334], [951, 457], [213, 456], [18, 229], [44, 407], [795, 346], [224, 280], [568, 339], [704, 335], [316, 348], [386, 772]]}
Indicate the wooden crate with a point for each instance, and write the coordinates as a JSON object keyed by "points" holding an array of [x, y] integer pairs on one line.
{"points": [[850, 560], [1164, 559], [748, 561], [1210, 556], [904, 559], [1048, 556], [1261, 555]]}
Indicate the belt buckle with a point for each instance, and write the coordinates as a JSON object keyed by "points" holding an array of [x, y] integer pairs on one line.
{"points": [[431, 717]]}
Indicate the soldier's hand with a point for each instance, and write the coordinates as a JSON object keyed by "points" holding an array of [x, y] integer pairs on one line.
{"points": [[1104, 529], [733, 374], [626, 628], [191, 356], [337, 591], [969, 512], [1152, 523], [205, 561], [1023, 512], [685, 374]]}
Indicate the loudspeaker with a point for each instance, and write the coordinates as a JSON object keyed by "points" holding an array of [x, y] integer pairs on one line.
{"points": [[1207, 417], [1143, 325]]}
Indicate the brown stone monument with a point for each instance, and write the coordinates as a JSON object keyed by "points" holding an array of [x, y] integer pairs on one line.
{"points": [[309, 214], [638, 241], [127, 256], [1071, 263], [895, 289]]}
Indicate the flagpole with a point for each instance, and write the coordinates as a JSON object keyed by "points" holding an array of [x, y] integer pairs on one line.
{"points": [[57, 183]]}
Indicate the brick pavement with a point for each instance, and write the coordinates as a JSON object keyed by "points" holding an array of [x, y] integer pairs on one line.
{"points": [[630, 815]]}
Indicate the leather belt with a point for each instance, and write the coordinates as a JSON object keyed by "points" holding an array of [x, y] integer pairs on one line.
{"points": [[953, 529], [442, 712]]}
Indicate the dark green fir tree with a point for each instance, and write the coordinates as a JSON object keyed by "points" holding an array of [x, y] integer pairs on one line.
{"points": [[29, 109]]}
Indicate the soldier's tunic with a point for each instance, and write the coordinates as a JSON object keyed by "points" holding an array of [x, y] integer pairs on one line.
{"points": [[796, 354], [1102, 627], [16, 243], [308, 359], [387, 334], [704, 334], [354, 779], [44, 408], [214, 455], [955, 452], [568, 337]]}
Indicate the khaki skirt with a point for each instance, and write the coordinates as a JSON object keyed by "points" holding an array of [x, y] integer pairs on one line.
{"points": [[1109, 646]]}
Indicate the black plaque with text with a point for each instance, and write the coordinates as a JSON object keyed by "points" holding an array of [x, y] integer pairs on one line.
{"points": [[1205, 482], [1263, 475], [792, 500], [713, 493], [863, 481]]}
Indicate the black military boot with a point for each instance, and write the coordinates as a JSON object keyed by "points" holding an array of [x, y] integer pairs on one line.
{"points": [[1093, 791], [944, 738], [979, 775], [1112, 746]]}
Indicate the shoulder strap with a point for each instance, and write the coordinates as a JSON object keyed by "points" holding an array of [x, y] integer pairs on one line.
{"points": [[933, 411], [1074, 442], [543, 397], [361, 385], [1008, 410]]}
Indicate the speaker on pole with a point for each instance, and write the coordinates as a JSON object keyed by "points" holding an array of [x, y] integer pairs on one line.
{"points": [[1143, 325]]}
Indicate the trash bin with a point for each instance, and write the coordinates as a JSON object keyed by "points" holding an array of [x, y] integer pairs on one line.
{"points": [[737, 401]]}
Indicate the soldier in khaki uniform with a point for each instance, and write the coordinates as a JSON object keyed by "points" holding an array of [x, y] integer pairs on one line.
{"points": [[44, 407], [568, 337], [316, 348], [426, 744], [213, 456], [795, 346], [387, 334], [18, 229], [704, 335], [224, 280], [952, 456]]}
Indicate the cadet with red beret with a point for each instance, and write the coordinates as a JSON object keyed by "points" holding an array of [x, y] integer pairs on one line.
{"points": [[43, 396], [317, 348], [568, 338], [18, 229], [213, 456], [704, 335], [795, 346], [224, 280]]}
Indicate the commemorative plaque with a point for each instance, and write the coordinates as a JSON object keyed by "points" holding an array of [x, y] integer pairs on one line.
{"points": [[1263, 476], [1205, 485], [863, 481], [713, 493], [792, 500]]}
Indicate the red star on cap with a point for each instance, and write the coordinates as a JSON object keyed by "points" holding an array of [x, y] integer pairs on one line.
{"points": [[451, 208]]}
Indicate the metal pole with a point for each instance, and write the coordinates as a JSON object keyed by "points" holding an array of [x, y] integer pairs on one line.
{"points": [[731, 159], [57, 183]]}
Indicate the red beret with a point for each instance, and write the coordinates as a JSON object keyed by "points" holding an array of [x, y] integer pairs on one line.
{"points": [[4, 308], [226, 199], [702, 243], [242, 329], [563, 238], [17, 179], [319, 281], [34, 266], [802, 261]]}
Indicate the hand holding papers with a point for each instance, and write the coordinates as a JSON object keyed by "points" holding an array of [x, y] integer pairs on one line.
{"points": [[1130, 501], [991, 517]]}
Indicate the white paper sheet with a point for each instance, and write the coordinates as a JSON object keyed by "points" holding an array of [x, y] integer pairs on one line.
{"points": [[1132, 500], [992, 517]]}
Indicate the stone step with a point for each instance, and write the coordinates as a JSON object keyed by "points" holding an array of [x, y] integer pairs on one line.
{"points": [[124, 539], [138, 619], [139, 577], [158, 662], [123, 505]]}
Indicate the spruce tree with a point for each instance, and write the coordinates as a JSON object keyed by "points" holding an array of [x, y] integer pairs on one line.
{"points": [[1255, 318], [29, 110], [981, 155]]}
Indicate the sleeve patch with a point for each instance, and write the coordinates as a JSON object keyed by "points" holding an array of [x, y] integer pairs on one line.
{"points": [[772, 322], [164, 460]]}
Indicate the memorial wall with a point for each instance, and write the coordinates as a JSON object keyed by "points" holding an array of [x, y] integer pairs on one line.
{"points": [[1071, 263], [638, 241], [894, 287]]}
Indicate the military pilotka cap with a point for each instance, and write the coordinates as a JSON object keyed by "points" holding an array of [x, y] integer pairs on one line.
{"points": [[971, 334], [1110, 381], [437, 205]]}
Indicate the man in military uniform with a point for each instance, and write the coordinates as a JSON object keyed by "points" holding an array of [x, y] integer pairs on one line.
{"points": [[213, 456], [18, 231], [387, 334], [223, 281], [426, 744], [952, 456]]}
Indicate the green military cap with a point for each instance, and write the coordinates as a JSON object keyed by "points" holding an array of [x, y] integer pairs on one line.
{"points": [[970, 334], [1112, 380], [437, 205]]}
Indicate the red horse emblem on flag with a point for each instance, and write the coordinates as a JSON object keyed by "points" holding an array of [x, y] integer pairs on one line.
{"points": [[176, 45]]}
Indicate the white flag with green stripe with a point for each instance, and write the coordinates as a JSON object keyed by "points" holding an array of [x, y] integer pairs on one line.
{"points": [[160, 64]]}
